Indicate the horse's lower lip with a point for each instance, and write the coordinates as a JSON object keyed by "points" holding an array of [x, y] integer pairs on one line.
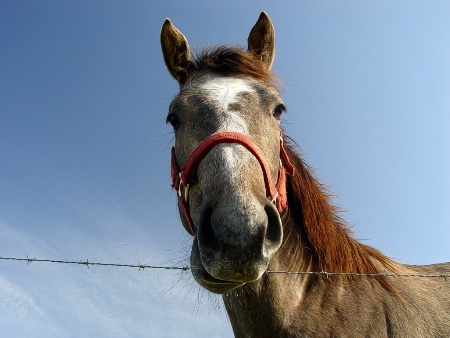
{"points": [[216, 285]]}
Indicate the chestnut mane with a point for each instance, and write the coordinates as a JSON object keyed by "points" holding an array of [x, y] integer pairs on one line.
{"points": [[320, 230]]}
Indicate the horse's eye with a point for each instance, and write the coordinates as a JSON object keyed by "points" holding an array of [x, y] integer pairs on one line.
{"points": [[173, 120], [279, 110]]}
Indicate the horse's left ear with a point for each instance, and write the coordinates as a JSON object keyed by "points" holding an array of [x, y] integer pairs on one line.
{"points": [[261, 40]]}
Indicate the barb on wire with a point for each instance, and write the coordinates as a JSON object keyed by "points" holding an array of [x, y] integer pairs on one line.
{"points": [[140, 266]]}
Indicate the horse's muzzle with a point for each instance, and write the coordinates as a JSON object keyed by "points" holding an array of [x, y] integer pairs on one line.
{"points": [[234, 247]]}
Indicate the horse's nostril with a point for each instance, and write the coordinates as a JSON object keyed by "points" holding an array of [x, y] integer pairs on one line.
{"points": [[274, 232], [206, 235]]}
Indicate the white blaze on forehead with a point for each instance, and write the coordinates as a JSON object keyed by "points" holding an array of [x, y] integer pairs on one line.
{"points": [[223, 92]]}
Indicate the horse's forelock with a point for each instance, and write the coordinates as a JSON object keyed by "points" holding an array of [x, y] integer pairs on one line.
{"points": [[231, 60]]}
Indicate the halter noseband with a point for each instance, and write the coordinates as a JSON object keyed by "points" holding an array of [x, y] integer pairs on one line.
{"points": [[181, 177]]}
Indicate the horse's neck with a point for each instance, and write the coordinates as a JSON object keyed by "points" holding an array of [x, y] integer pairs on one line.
{"points": [[265, 308]]}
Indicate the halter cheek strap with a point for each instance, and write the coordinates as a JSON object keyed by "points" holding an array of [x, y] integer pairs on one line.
{"points": [[181, 177]]}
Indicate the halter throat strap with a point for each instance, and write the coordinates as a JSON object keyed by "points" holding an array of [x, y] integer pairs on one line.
{"points": [[182, 177]]}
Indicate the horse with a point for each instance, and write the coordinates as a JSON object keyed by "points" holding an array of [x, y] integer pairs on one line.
{"points": [[255, 208]]}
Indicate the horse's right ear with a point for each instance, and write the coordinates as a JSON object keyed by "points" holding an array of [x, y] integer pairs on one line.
{"points": [[175, 48]]}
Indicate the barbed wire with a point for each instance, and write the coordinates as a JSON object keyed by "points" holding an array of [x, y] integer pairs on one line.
{"points": [[87, 263], [355, 274], [326, 274]]}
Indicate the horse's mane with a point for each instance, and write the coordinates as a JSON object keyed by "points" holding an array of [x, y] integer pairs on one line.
{"points": [[232, 60], [318, 228]]}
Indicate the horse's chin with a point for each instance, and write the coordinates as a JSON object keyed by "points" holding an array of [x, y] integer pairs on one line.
{"points": [[215, 283]]}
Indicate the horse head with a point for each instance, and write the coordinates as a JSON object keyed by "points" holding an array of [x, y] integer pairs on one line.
{"points": [[227, 154]]}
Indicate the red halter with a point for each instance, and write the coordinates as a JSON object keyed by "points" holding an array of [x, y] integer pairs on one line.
{"points": [[181, 177]]}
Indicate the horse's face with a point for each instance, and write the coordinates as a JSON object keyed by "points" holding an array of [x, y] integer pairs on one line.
{"points": [[237, 227]]}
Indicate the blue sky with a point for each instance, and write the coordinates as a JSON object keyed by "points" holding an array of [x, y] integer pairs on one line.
{"points": [[84, 150]]}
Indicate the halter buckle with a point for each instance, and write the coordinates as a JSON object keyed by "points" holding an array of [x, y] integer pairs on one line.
{"points": [[183, 190]]}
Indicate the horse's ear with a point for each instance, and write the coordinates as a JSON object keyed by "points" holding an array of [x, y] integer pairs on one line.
{"points": [[261, 40], [175, 48]]}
